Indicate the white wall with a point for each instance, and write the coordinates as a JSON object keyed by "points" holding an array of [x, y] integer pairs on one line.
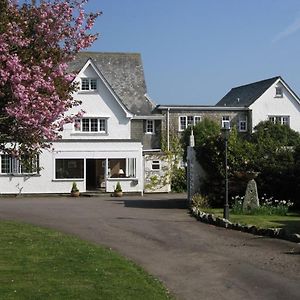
{"points": [[157, 181], [100, 103], [45, 182], [268, 105]]}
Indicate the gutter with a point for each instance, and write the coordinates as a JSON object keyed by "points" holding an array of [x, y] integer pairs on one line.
{"points": [[203, 108]]}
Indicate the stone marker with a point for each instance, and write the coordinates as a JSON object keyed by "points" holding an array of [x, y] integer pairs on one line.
{"points": [[251, 200]]}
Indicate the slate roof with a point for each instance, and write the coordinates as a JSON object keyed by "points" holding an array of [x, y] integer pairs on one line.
{"points": [[245, 95], [124, 73]]}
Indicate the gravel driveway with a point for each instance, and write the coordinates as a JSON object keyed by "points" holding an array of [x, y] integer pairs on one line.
{"points": [[194, 260]]}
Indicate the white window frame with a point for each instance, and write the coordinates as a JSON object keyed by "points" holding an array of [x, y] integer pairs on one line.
{"points": [[282, 120], [184, 123], [90, 84], [150, 127], [189, 120], [15, 165], [278, 92], [101, 125], [225, 120], [155, 162]]}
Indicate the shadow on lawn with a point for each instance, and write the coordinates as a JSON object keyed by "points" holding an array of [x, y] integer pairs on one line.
{"points": [[156, 203]]}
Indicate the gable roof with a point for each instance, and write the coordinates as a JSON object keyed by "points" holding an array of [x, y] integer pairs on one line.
{"points": [[125, 75], [245, 95]]}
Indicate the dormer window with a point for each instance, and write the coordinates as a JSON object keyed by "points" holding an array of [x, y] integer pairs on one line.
{"points": [[88, 84], [279, 92]]}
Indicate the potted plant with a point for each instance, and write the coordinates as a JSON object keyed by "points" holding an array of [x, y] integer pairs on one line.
{"points": [[118, 190], [75, 191]]}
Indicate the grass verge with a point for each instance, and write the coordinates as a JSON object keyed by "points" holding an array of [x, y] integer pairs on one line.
{"points": [[291, 221], [37, 263]]}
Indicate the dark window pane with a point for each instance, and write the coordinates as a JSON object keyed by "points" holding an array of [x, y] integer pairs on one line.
{"points": [[69, 168]]}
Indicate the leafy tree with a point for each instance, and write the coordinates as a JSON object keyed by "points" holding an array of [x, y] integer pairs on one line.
{"points": [[36, 45], [273, 151], [210, 154], [267, 134], [276, 159]]}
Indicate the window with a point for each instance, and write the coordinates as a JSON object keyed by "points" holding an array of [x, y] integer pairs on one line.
{"points": [[88, 84], [93, 84], [182, 123], [131, 167], [94, 125], [225, 122], [279, 92], [122, 168], [197, 120], [185, 121], [85, 85], [69, 168], [243, 124], [102, 125], [190, 120], [13, 165], [91, 125], [85, 125], [150, 126], [283, 120], [155, 165]]}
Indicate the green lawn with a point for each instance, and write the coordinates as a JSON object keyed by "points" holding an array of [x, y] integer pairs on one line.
{"points": [[37, 263], [290, 222]]}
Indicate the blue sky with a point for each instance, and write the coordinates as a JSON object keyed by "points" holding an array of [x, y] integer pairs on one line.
{"points": [[194, 51]]}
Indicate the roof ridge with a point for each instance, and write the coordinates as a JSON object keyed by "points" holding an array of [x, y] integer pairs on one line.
{"points": [[256, 82]]}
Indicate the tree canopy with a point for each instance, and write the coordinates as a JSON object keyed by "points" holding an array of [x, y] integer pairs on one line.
{"points": [[272, 151], [36, 44]]}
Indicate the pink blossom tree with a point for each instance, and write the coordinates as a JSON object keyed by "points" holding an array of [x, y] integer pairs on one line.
{"points": [[36, 44]]}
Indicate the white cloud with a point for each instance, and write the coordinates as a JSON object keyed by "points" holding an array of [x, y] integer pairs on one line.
{"points": [[291, 29]]}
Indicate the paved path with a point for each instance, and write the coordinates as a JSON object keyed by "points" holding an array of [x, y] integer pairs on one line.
{"points": [[194, 260]]}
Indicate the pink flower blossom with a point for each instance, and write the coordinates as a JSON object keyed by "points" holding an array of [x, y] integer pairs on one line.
{"points": [[35, 49]]}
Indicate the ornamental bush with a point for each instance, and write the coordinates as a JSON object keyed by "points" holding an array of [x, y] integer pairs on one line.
{"points": [[200, 201], [178, 180], [36, 44]]}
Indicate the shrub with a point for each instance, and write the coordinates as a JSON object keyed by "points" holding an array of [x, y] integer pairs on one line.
{"points": [[118, 187], [200, 201], [178, 180], [74, 187]]}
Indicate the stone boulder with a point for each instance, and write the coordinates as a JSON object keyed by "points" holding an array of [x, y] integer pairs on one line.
{"points": [[251, 200]]}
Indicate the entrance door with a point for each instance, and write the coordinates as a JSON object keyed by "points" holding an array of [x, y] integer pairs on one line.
{"points": [[95, 174]]}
